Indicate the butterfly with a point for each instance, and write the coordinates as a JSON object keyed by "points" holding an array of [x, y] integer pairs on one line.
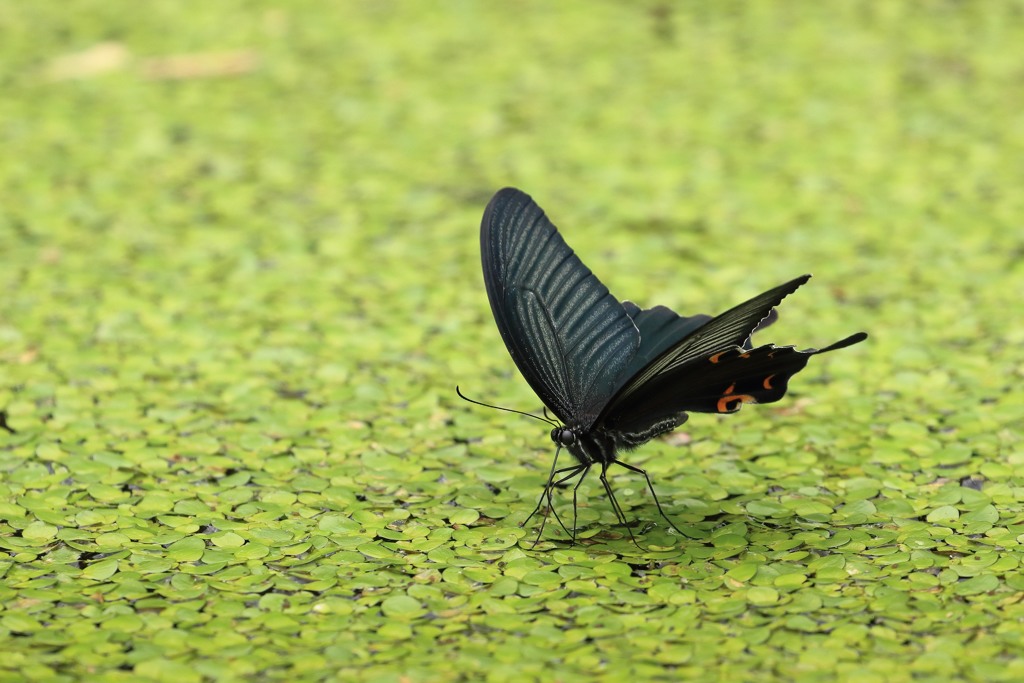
{"points": [[616, 375]]}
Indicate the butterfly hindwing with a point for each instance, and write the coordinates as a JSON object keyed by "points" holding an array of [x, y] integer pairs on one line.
{"points": [[730, 329], [719, 383], [660, 329], [570, 338]]}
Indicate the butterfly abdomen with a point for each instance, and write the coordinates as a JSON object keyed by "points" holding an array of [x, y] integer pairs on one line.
{"points": [[630, 440]]}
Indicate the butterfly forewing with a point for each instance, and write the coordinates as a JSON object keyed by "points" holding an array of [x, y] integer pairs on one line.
{"points": [[570, 338]]}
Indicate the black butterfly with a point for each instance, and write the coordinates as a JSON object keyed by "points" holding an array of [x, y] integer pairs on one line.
{"points": [[614, 374]]}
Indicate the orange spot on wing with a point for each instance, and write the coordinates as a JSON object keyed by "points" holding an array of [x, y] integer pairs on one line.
{"points": [[715, 358], [767, 384], [724, 402]]}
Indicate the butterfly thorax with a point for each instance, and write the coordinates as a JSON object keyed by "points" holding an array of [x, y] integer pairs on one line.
{"points": [[588, 447]]}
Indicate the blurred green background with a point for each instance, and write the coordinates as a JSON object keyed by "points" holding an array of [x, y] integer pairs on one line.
{"points": [[240, 275]]}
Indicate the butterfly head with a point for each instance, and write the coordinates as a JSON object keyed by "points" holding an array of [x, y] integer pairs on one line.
{"points": [[563, 436]]}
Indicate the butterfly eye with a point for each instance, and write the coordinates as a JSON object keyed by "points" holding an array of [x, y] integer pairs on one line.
{"points": [[563, 436]]}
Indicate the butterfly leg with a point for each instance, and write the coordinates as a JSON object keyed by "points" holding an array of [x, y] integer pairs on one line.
{"points": [[616, 508], [572, 472], [654, 495], [575, 490], [546, 494]]}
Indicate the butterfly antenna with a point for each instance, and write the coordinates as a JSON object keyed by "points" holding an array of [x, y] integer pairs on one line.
{"points": [[507, 410]]}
